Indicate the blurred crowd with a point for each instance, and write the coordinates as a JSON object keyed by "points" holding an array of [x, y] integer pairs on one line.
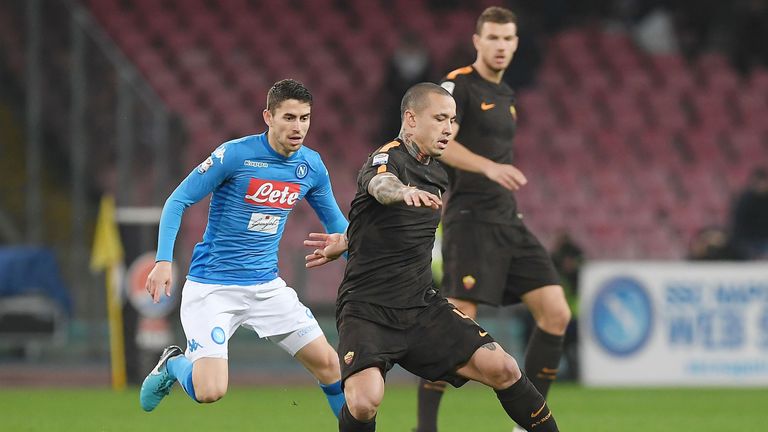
{"points": [[747, 236]]}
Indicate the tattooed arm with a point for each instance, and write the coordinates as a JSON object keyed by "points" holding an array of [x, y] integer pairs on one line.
{"points": [[388, 190]]}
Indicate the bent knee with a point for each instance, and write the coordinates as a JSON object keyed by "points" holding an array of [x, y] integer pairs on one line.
{"points": [[210, 392], [503, 374], [363, 407], [555, 320]]}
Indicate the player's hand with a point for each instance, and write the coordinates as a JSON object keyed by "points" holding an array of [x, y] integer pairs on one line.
{"points": [[328, 247], [506, 175], [417, 198], [159, 280]]}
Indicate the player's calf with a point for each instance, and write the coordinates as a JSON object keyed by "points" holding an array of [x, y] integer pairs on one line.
{"points": [[526, 406], [322, 361]]}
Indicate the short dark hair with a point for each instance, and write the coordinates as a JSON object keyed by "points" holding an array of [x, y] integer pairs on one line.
{"points": [[287, 89], [415, 97], [496, 15]]}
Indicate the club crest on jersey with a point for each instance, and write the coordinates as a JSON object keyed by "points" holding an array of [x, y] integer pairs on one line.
{"points": [[468, 281], [203, 167], [348, 357], [380, 159], [272, 193], [302, 170]]}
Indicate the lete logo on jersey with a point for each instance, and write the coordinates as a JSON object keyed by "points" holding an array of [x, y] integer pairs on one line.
{"points": [[271, 193]]}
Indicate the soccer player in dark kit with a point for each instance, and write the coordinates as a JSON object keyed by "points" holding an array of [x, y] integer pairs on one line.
{"points": [[387, 311], [489, 256]]}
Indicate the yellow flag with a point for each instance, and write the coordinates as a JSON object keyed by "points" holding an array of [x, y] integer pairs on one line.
{"points": [[107, 247], [107, 255]]}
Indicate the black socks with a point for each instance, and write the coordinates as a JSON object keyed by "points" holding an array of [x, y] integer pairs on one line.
{"points": [[429, 396], [347, 423], [542, 358], [527, 407]]}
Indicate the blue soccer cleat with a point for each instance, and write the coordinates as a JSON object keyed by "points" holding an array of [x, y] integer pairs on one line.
{"points": [[158, 383]]}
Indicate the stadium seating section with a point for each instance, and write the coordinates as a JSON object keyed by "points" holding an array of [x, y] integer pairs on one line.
{"points": [[630, 153]]}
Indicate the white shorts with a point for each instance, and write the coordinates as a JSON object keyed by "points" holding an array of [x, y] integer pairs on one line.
{"points": [[210, 314]]}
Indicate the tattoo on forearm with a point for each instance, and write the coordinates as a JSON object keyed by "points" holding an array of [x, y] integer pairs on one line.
{"points": [[490, 346], [387, 189]]}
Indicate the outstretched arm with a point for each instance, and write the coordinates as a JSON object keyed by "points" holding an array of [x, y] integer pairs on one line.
{"points": [[388, 190], [198, 184], [322, 200], [328, 247]]}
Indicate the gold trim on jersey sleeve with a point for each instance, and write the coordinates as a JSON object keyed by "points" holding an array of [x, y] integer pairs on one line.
{"points": [[460, 71]]}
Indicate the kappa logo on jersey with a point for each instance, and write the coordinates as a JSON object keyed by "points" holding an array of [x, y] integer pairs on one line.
{"points": [[219, 153], [193, 345], [255, 164], [271, 193]]}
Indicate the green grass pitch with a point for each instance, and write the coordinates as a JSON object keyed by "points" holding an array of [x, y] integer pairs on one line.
{"points": [[472, 408]]}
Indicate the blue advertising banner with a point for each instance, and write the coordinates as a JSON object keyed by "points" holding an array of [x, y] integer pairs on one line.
{"points": [[658, 324]]}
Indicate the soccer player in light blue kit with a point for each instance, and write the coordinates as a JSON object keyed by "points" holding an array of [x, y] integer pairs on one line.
{"points": [[233, 278]]}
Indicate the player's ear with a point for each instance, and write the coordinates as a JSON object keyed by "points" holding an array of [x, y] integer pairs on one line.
{"points": [[267, 117], [476, 40], [409, 118]]}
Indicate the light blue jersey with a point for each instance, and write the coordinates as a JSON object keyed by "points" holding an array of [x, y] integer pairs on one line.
{"points": [[254, 189]]}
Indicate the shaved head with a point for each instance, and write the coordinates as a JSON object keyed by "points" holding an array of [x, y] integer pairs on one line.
{"points": [[415, 98]]}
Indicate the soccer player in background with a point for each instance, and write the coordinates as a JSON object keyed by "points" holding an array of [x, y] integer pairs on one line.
{"points": [[387, 311], [233, 277], [489, 256]]}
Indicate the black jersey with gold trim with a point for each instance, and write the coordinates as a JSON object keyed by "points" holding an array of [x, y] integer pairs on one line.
{"points": [[487, 118], [390, 246]]}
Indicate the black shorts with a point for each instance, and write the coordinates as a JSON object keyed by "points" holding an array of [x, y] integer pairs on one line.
{"points": [[493, 264], [431, 342]]}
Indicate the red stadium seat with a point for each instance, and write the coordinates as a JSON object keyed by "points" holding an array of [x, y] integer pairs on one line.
{"points": [[618, 140]]}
